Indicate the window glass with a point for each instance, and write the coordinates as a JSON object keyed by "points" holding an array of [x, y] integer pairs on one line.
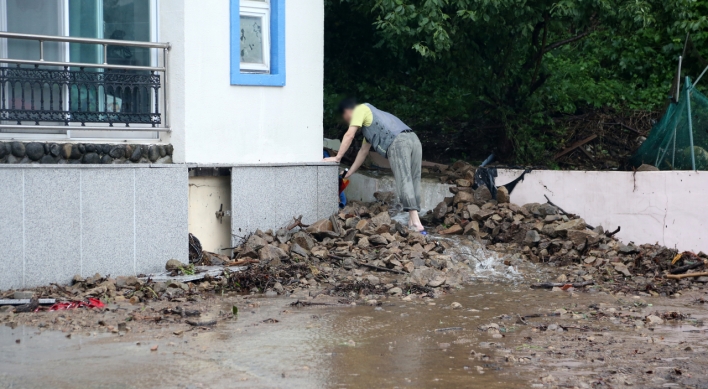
{"points": [[251, 39]]}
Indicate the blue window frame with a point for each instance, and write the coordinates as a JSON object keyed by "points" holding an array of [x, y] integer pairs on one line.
{"points": [[276, 77]]}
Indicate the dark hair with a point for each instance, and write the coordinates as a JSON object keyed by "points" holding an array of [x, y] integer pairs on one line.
{"points": [[348, 103]]}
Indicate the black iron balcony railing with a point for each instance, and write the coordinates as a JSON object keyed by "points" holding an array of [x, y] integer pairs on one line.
{"points": [[39, 94]]}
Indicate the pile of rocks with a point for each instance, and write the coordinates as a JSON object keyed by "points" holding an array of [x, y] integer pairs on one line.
{"points": [[544, 233], [83, 153], [361, 245]]}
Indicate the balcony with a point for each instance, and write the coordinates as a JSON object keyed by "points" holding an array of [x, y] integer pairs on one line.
{"points": [[39, 94]]}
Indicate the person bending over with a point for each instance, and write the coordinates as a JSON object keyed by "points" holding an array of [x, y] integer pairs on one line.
{"points": [[391, 138]]}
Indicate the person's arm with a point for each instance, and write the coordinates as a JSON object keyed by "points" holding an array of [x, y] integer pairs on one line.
{"points": [[360, 158], [346, 142]]}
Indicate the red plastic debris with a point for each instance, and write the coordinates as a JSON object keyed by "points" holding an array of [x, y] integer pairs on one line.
{"points": [[566, 286], [91, 303]]}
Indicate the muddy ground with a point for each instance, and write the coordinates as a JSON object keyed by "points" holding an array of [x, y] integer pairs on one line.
{"points": [[496, 332]]}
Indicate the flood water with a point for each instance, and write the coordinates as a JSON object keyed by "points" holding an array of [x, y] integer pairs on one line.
{"points": [[422, 343]]}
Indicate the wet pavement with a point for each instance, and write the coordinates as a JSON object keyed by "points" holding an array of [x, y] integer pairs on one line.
{"points": [[494, 333]]}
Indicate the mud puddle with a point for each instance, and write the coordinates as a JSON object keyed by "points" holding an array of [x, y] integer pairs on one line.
{"points": [[494, 333]]}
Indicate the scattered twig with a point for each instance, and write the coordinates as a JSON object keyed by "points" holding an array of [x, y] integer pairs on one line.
{"points": [[297, 222], [379, 268], [575, 146], [369, 265], [611, 234], [447, 329], [535, 315], [687, 275], [685, 268], [551, 285]]}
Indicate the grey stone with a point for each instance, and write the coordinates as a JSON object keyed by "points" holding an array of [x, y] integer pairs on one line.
{"points": [[4, 150], [145, 149], [482, 195], [278, 287], [18, 149], [54, 150], [34, 151], [271, 255], [271, 293], [47, 159], [165, 160], [547, 209], [153, 153], [395, 291], [304, 240], [70, 151], [255, 242], [52, 226], [92, 148], [161, 221], [137, 153], [107, 217], [628, 249], [161, 149], [20, 295], [117, 152], [106, 148], [92, 158], [647, 168], [82, 148], [174, 264], [297, 249], [106, 159], [170, 149], [532, 237]]}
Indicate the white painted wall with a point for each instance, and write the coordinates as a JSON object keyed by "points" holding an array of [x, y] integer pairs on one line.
{"points": [[206, 196], [216, 122], [668, 207]]}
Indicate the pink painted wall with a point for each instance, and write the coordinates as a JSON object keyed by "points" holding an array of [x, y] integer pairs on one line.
{"points": [[668, 207]]}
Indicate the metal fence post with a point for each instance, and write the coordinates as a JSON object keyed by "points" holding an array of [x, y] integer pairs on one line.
{"points": [[690, 122]]}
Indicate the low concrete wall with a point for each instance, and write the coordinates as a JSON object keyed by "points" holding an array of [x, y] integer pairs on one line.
{"points": [[60, 220], [363, 186], [668, 207], [269, 196]]}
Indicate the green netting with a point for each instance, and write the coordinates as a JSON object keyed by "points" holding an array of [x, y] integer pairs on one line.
{"points": [[679, 141]]}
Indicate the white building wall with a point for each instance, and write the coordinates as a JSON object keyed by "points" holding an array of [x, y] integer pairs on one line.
{"points": [[668, 207], [216, 122]]}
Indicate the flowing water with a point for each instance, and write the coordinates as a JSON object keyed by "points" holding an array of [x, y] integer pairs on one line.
{"points": [[422, 343]]}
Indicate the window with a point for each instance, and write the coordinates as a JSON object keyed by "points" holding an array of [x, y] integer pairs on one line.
{"points": [[255, 36], [258, 42]]}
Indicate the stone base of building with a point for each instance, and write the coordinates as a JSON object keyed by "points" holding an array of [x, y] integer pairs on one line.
{"points": [[57, 221], [60, 220]]}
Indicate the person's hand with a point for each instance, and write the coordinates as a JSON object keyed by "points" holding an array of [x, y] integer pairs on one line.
{"points": [[331, 159], [349, 174]]}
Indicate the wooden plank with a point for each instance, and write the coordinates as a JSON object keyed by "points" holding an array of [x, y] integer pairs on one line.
{"points": [[575, 146], [25, 301]]}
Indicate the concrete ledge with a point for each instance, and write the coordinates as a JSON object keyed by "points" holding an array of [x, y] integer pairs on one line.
{"points": [[57, 221], [363, 186]]}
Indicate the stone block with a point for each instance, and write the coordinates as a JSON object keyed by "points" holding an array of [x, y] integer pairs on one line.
{"points": [[327, 190], [52, 225], [107, 217], [11, 229], [254, 198], [161, 221], [297, 194]]}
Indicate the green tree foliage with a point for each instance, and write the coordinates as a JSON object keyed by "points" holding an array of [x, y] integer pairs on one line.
{"points": [[494, 74]]}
